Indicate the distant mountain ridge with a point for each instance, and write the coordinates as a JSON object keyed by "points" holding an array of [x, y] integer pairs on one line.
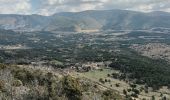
{"points": [[87, 20]]}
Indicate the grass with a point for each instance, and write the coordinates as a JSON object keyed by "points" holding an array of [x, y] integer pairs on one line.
{"points": [[97, 74]]}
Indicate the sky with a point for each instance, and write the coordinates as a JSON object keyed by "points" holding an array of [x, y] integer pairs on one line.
{"points": [[49, 7]]}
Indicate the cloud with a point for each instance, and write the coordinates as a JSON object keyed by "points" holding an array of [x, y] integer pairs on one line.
{"points": [[52, 6], [48, 7], [15, 6]]}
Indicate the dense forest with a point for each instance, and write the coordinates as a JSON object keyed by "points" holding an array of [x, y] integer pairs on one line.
{"points": [[153, 73]]}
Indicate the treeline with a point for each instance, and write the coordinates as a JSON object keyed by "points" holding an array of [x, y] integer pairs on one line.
{"points": [[153, 73]]}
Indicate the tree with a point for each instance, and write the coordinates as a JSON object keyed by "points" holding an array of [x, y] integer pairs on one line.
{"points": [[153, 97], [117, 84], [108, 75], [72, 88], [134, 95], [101, 80], [164, 98], [124, 92], [110, 95], [135, 91]]}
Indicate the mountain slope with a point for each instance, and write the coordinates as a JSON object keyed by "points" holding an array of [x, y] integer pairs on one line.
{"points": [[87, 20], [22, 21]]}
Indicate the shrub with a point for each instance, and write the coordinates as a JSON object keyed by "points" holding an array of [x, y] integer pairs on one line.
{"points": [[2, 85], [124, 92], [2, 66], [101, 80], [17, 83], [117, 85], [72, 88], [135, 91], [134, 95], [129, 90], [110, 95]]}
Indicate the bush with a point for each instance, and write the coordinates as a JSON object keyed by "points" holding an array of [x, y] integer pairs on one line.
{"points": [[129, 90], [108, 75], [110, 95], [2, 85], [153, 98], [133, 85], [101, 80], [2, 66], [72, 88], [124, 92], [17, 83], [135, 91], [134, 95], [117, 85]]}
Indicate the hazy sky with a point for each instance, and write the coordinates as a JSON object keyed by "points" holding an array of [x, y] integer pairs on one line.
{"points": [[48, 7]]}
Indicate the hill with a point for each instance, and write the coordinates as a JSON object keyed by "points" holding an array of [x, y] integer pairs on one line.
{"points": [[20, 83]]}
